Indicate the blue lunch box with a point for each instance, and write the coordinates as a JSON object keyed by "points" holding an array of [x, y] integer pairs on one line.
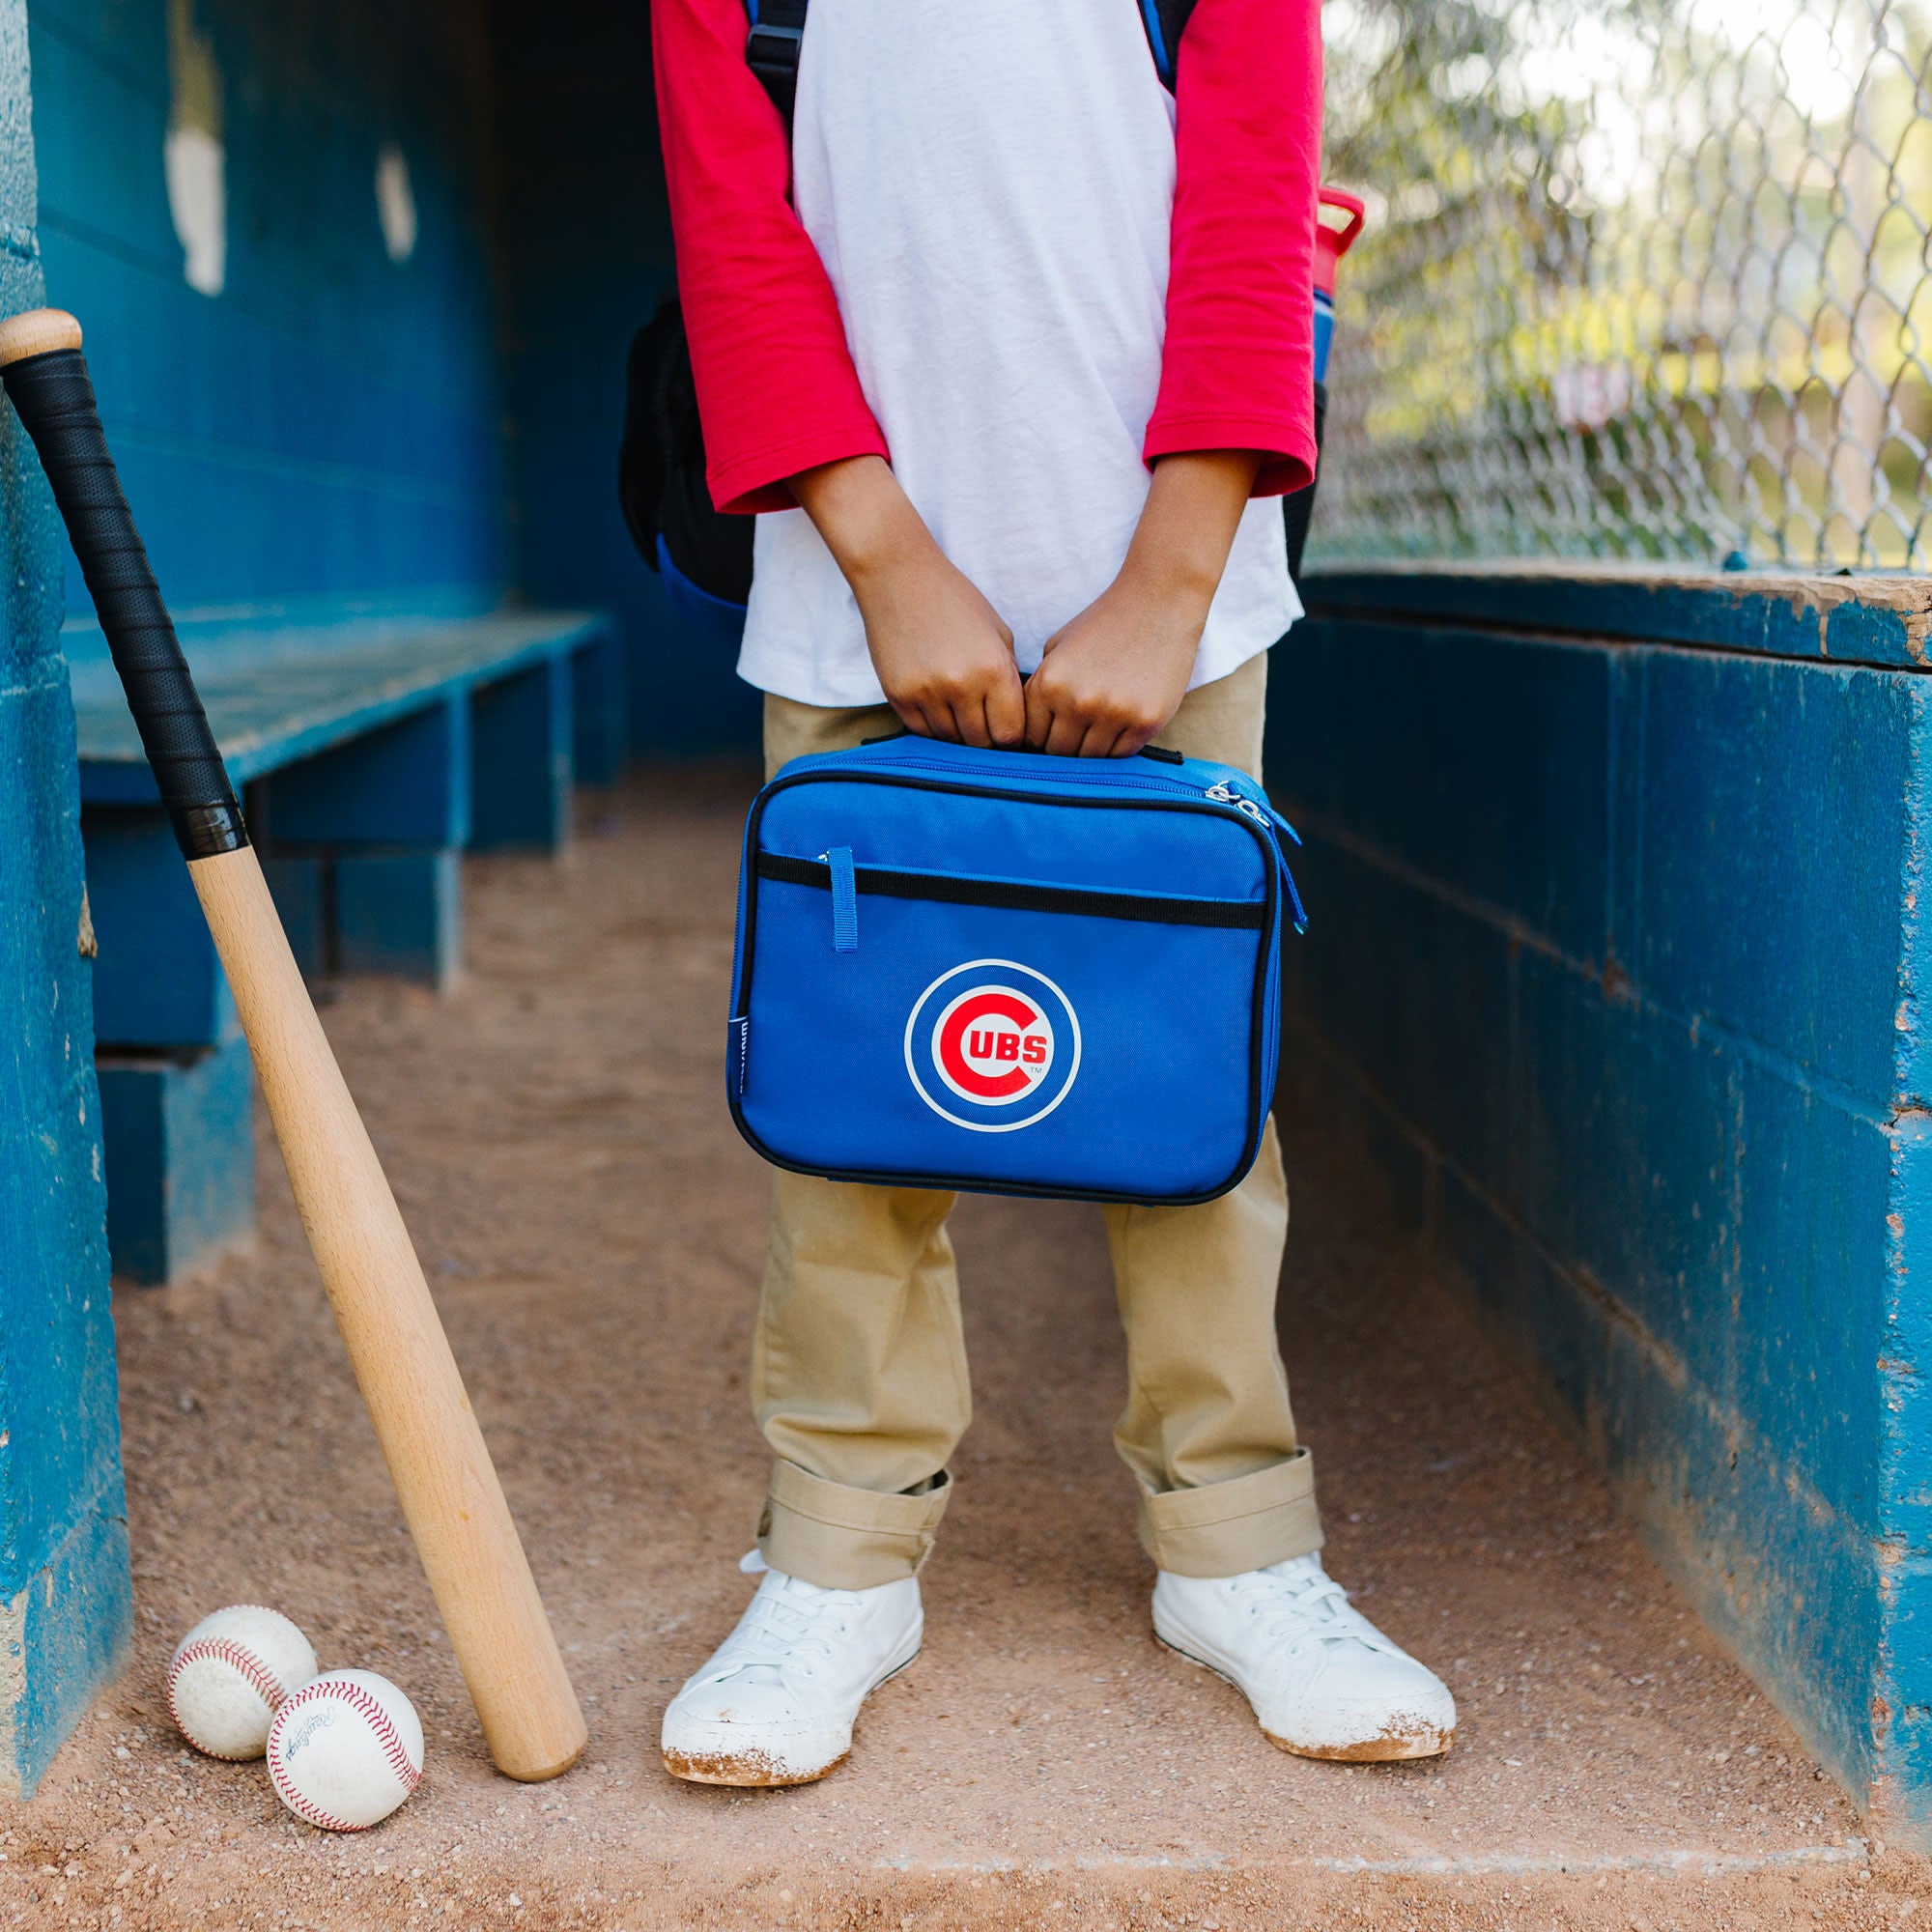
{"points": [[1010, 973]]}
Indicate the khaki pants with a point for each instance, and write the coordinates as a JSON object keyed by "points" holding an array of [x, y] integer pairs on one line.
{"points": [[859, 1375]]}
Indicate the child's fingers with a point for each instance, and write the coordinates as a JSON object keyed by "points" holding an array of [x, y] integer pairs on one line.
{"points": [[1038, 713], [1135, 730], [1006, 710], [912, 717], [1064, 737], [968, 717]]}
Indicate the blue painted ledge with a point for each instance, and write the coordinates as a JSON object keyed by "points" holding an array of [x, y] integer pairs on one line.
{"points": [[1615, 965], [1877, 619]]}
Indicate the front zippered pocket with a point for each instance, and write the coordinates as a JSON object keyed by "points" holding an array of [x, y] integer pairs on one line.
{"points": [[1173, 795], [1103, 785], [848, 884]]}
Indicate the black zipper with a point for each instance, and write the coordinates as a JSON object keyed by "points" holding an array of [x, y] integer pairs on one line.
{"points": [[1018, 895]]}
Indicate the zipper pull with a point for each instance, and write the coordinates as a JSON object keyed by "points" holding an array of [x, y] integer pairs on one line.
{"points": [[1293, 896], [845, 898], [1263, 813], [1223, 794], [1261, 810]]}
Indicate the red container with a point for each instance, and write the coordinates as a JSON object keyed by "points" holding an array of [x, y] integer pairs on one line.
{"points": [[1338, 219]]}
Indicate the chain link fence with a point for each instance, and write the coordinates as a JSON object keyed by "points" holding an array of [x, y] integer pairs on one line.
{"points": [[1642, 278]]}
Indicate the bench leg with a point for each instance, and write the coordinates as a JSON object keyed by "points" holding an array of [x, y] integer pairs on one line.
{"points": [[177, 1146], [178, 1141], [521, 736], [158, 982], [299, 885], [601, 712], [400, 913], [364, 841]]}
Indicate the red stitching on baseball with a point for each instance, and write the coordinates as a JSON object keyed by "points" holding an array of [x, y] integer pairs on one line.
{"points": [[267, 1687], [301, 1805], [407, 1774]]}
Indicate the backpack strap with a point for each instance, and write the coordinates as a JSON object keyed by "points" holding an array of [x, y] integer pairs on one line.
{"points": [[1165, 21], [771, 48], [777, 28]]}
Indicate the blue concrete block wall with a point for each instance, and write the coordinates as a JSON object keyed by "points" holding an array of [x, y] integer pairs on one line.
{"points": [[585, 241], [64, 1585], [1614, 960], [325, 428]]}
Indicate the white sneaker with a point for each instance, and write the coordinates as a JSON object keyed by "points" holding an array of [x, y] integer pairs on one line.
{"points": [[1323, 1679], [775, 1704]]}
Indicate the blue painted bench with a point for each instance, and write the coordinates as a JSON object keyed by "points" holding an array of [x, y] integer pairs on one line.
{"points": [[371, 753], [1617, 963]]}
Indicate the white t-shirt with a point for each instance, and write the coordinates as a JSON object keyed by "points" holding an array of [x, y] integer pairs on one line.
{"points": [[989, 188]]}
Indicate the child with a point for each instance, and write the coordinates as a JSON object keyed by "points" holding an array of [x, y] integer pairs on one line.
{"points": [[1012, 349]]}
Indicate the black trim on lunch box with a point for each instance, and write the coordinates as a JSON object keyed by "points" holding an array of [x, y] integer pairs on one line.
{"points": [[1259, 1103], [1017, 896]]}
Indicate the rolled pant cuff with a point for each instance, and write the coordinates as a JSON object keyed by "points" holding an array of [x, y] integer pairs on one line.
{"points": [[1224, 1529], [846, 1539]]}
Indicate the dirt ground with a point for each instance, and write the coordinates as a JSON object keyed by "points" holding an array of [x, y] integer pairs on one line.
{"points": [[593, 1227]]}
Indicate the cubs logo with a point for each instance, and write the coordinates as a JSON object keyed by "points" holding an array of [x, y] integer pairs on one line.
{"points": [[993, 1046]]}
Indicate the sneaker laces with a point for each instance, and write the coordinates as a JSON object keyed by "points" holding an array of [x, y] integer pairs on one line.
{"points": [[785, 1625], [1302, 1604]]}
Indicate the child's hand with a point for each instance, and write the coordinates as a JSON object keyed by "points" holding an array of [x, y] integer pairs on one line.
{"points": [[943, 656], [1114, 676]]}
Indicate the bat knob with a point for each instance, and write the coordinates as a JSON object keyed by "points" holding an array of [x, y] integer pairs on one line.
{"points": [[40, 331]]}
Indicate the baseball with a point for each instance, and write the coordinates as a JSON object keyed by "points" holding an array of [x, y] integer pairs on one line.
{"points": [[230, 1673], [345, 1750]]}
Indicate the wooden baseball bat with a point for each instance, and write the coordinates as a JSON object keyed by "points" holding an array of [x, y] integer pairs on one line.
{"points": [[450, 1496]]}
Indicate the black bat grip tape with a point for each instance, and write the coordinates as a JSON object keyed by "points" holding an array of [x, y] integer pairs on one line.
{"points": [[56, 401]]}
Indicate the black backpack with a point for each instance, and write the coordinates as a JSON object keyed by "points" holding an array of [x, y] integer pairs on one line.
{"points": [[661, 487]]}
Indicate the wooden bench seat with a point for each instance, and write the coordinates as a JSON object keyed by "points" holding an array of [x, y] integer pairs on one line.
{"points": [[371, 753]]}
